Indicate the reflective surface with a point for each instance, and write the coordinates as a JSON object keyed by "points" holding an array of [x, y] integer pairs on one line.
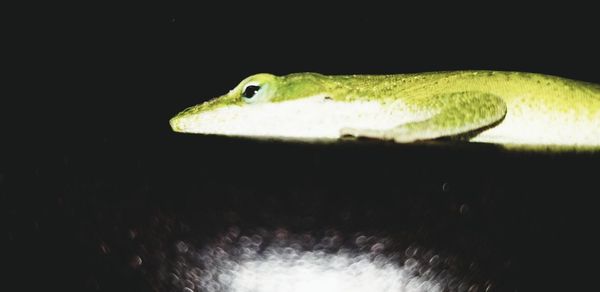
{"points": [[270, 215]]}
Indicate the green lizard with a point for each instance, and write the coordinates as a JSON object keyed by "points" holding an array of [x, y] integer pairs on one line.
{"points": [[508, 108]]}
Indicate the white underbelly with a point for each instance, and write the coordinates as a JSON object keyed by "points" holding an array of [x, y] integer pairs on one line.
{"points": [[538, 128], [310, 118], [318, 118]]}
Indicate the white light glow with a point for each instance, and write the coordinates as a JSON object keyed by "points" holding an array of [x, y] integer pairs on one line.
{"points": [[311, 272], [283, 262]]}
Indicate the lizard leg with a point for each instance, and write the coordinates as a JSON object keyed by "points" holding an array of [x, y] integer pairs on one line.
{"points": [[456, 113]]}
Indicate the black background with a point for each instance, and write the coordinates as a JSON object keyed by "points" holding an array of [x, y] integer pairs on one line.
{"points": [[89, 156]]}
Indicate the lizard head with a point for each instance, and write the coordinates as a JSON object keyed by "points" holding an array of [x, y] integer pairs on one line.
{"points": [[261, 105]]}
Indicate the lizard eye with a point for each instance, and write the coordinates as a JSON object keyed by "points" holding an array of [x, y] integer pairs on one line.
{"points": [[250, 91]]}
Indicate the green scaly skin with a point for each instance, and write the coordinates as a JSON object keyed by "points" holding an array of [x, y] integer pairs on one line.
{"points": [[486, 106]]}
